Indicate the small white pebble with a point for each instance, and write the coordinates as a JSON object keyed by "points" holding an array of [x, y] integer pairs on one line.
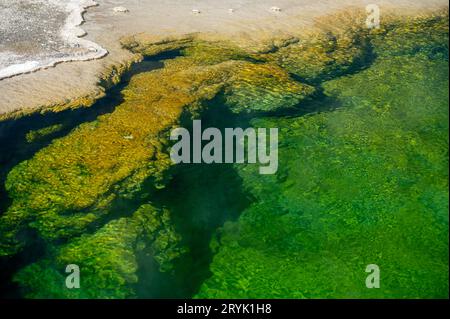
{"points": [[230, 10], [275, 9], [195, 11], [120, 9]]}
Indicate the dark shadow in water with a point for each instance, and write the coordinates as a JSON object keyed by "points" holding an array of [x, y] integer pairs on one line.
{"points": [[200, 197], [13, 146], [14, 149], [10, 265]]}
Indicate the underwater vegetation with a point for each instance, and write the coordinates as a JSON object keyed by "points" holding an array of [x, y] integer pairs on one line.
{"points": [[108, 257], [71, 183], [35, 135], [362, 183]]}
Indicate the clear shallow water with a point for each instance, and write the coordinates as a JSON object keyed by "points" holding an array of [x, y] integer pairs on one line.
{"points": [[362, 180], [354, 188]]}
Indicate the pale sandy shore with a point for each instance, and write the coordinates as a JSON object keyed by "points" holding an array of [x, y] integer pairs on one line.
{"points": [[36, 34], [248, 21]]}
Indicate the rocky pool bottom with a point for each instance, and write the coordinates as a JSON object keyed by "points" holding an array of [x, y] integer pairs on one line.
{"points": [[362, 178]]}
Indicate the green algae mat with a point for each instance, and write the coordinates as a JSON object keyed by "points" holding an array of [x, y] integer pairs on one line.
{"points": [[362, 177]]}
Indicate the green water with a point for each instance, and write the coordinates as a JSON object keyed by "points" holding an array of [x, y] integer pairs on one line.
{"points": [[362, 179], [363, 184]]}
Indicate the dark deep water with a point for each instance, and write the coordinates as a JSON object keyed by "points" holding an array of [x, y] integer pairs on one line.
{"points": [[197, 207]]}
